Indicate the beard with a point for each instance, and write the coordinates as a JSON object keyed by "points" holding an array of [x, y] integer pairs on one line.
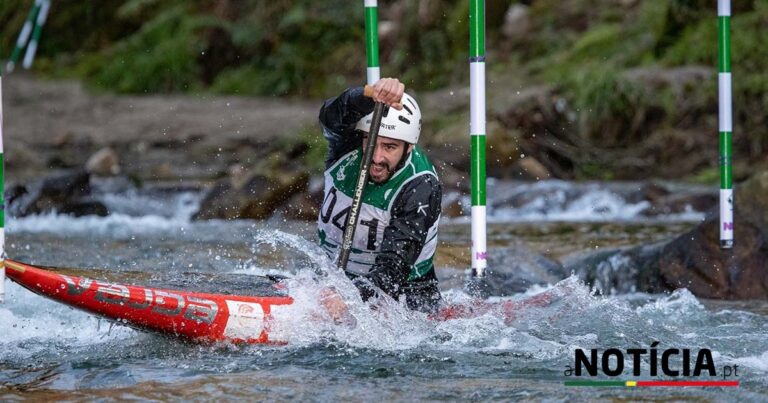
{"points": [[389, 171]]}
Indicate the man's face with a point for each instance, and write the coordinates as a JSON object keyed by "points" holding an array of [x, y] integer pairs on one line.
{"points": [[387, 154]]}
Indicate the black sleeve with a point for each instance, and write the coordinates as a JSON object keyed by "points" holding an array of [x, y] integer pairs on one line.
{"points": [[415, 210], [338, 117]]}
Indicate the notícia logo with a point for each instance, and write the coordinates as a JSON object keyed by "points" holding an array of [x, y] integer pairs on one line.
{"points": [[672, 362]]}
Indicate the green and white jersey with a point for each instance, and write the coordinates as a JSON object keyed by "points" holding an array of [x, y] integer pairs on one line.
{"points": [[375, 211]]}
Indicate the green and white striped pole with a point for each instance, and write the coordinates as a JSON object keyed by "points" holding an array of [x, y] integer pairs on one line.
{"points": [[373, 72], [477, 134], [32, 48], [726, 122], [2, 198], [21, 42]]}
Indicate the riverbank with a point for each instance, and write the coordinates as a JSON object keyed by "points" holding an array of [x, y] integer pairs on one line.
{"points": [[53, 125]]}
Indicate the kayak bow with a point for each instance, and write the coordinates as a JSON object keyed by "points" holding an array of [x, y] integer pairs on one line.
{"points": [[189, 315]]}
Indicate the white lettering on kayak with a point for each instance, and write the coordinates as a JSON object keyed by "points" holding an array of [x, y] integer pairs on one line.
{"points": [[112, 293], [168, 310], [74, 289], [201, 310], [162, 302]]}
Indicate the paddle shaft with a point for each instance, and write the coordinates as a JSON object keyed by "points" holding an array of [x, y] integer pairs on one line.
{"points": [[362, 179]]}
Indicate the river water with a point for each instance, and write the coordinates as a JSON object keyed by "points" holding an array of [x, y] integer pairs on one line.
{"points": [[50, 351]]}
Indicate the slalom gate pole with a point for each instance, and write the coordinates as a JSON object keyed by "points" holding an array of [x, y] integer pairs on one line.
{"points": [[477, 134], [726, 122], [2, 198], [32, 48], [373, 72], [21, 42]]}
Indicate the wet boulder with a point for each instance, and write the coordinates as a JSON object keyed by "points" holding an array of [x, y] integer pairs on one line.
{"points": [[517, 24], [67, 193], [665, 200], [301, 206], [305, 205], [620, 271], [529, 168], [454, 204], [694, 260], [255, 195], [515, 269], [104, 162], [752, 199]]}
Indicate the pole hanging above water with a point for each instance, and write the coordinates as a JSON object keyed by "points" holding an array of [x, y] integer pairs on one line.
{"points": [[29, 56], [373, 71], [726, 122], [477, 134], [26, 31]]}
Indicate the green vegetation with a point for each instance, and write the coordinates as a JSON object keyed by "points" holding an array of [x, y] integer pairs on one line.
{"points": [[749, 60], [595, 53], [707, 176]]}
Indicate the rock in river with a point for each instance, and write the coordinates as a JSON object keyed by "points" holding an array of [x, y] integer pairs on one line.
{"points": [[694, 260], [256, 196], [66, 193]]}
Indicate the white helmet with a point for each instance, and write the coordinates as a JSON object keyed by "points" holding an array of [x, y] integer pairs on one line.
{"points": [[402, 124]]}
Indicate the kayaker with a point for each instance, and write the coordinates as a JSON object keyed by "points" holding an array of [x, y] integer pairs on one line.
{"points": [[396, 234]]}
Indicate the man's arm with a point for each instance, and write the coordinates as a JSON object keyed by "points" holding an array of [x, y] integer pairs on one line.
{"points": [[414, 212], [338, 116]]}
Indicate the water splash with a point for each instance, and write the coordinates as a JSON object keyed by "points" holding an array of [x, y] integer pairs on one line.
{"points": [[388, 341], [557, 200], [33, 325]]}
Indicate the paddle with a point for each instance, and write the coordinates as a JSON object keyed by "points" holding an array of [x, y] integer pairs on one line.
{"points": [[362, 179]]}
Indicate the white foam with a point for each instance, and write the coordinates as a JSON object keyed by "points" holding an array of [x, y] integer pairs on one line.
{"points": [[114, 224], [595, 205], [557, 200], [680, 302], [29, 323], [177, 206], [131, 214], [755, 362]]}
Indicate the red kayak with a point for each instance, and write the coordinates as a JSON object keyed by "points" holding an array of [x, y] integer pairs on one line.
{"points": [[207, 317], [190, 315]]}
